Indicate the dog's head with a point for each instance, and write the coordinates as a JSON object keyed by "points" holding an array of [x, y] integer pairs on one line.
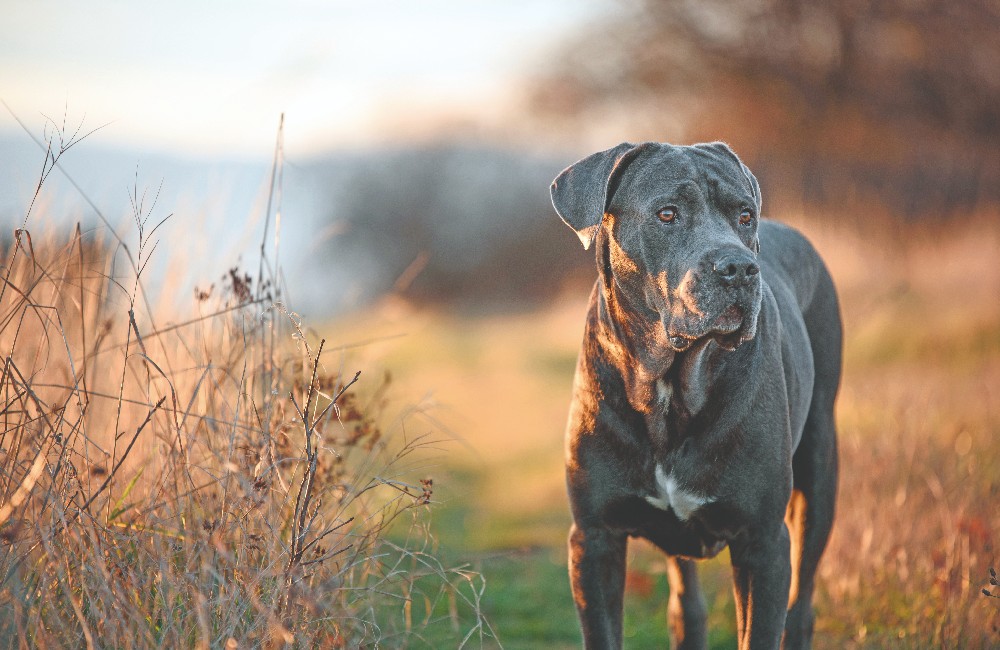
{"points": [[679, 228]]}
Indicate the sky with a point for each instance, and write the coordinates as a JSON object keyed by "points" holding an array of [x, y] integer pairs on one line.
{"points": [[212, 78], [189, 94]]}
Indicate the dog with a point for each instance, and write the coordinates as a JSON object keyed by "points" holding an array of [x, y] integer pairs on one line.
{"points": [[702, 410]]}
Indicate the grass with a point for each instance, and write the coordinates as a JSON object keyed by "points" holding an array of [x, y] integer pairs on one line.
{"points": [[215, 477], [919, 419], [220, 477]]}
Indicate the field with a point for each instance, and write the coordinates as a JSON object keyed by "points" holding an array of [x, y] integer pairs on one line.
{"points": [[221, 476], [199, 478], [919, 419]]}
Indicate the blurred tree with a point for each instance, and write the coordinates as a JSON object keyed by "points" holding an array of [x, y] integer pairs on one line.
{"points": [[843, 103], [451, 222]]}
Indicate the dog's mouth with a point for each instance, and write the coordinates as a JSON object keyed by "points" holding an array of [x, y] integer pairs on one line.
{"points": [[728, 321], [729, 330]]}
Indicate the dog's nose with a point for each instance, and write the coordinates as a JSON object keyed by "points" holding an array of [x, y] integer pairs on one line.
{"points": [[735, 268]]}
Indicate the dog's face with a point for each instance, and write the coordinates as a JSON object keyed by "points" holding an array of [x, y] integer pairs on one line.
{"points": [[680, 230]]}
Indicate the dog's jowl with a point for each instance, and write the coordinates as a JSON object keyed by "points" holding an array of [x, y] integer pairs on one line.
{"points": [[702, 412]]}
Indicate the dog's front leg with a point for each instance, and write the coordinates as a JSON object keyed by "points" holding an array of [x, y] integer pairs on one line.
{"points": [[761, 579], [597, 576]]}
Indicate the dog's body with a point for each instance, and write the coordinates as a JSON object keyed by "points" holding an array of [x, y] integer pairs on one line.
{"points": [[702, 409]]}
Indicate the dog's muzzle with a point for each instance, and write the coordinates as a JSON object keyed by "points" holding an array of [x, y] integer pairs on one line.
{"points": [[728, 299], [730, 330]]}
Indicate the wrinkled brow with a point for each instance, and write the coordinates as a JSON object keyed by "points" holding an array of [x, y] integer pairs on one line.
{"points": [[686, 191]]}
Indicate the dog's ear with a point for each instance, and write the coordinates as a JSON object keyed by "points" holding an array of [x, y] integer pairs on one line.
{"points": [[723, 148], [755, 187], [580, 193]]}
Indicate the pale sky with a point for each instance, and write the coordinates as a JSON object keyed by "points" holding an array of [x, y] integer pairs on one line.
{"points": [[211, 78]]}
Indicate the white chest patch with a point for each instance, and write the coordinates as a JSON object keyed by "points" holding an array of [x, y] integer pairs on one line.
{"points": [[671, 496]]}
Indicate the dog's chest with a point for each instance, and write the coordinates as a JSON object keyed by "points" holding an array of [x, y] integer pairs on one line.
{"points": [[659, 412], [668, 489], [670, 495]]}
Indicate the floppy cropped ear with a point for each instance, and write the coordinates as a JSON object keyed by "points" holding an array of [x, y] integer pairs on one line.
{"points": [[723, 148], [754, 185], [580, 193]]}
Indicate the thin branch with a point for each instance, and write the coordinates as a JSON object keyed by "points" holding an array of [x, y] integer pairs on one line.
{"points": [[135, 436]]}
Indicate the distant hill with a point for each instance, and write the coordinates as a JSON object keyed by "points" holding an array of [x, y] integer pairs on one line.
{"points": [[446, 222]]}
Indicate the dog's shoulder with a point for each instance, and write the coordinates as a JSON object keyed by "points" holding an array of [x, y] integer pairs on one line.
{"points": [[783, 242], [789, 259]]}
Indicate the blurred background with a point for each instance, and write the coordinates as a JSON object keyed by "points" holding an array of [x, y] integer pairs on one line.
{"points": [[415, 231], [428, 134]]}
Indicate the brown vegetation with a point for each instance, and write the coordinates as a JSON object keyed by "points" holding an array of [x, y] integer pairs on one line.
{"points": [[917, 528], [202, 479]]}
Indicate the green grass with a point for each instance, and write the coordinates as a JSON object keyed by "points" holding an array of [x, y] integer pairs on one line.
{"points": [[523, 563]]}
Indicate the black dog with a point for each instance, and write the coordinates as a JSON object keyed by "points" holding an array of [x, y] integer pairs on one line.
{"points": [[702, 410]]}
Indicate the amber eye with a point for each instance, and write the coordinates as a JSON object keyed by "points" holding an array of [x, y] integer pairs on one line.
{"points": [[745, 217], [667, 215]]}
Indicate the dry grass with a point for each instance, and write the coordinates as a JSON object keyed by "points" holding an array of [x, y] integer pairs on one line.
{"points": [[201, 479], [917, 528]]}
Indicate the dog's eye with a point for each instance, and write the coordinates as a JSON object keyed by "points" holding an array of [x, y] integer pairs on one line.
{"points": [[745, 217], [667, 215]]}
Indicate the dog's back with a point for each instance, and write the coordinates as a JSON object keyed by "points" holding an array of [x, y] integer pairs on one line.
{"points": [[795, 272]]}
